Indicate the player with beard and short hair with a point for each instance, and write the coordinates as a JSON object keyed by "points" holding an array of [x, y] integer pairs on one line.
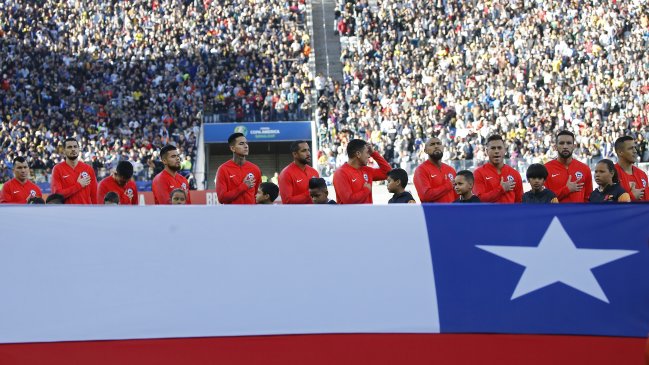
{"points": [[120, 183], [434, 179], [294, 179], [74, 179], [570, 180], [169, 179], [237, 180], [353, 180], [19, 189], [632, 179], [495, 181]]}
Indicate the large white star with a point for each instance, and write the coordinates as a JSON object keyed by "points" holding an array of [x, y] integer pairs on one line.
{"points": [[557, 259]]}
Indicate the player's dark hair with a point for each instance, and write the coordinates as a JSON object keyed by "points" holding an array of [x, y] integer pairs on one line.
{"points": [[566, 133], [620, 141], [70, 139], [270, 189], [468, 175], [611, 168], [495, 137], [111, 197], [35, 200], [124, 169], [317, 183], [164, 150], [355, 145], [233, 138], [399, 174], [55, 199], [536, 170], [295, 146], [19, 159]]}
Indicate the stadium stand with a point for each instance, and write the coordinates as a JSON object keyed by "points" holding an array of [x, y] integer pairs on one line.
{"points": [[125, 77], [466, 70]]}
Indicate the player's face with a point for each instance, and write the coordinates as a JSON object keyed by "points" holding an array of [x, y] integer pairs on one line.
{"points": [[496, 152], [120, 180], [603, 176], [628, 152], [261, 198], [434, 149], [303, 154], [393, 185], [172, 160], [71, 150], [178, 198], [21, 171], [319, 196], [240, 146], [565, 146], [364, 155], [461, 185], [536, 182]]}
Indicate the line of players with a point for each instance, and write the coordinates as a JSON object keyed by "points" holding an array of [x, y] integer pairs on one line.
{"points": [[238, 181]]}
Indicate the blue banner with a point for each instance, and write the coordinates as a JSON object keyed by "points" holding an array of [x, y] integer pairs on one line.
{"points": [[529, 269], [258, 132]]}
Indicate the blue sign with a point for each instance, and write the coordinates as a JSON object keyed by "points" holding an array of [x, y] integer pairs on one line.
{"points": [[258, 132]]}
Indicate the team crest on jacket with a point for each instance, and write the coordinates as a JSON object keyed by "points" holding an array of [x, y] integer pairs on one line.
{"points": [[365, 177], [32, 193], [129, 193], [184, 186], [579, 175], [249, 176], [450, 177], [84, 175], [510, 178], [644, 183]]}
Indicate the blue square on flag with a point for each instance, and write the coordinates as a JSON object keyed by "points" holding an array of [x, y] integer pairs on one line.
{"points": [[570, 269]]}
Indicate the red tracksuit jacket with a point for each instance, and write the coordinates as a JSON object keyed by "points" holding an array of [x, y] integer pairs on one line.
{"points": [[294, 184], [127, 193], [487, 184], [558, 176], [435, 184], [13, 192], [349, 181], [640, 179], [64, 182], [164, 183], [230, 188]]}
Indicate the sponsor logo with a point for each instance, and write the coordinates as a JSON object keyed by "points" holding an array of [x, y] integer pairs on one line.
{"points": [[489, 177], [299, 180], [353, 180], [241, 129], [433, 175], [17, 191], [231, 176], [65, 176], [555, 175], [171, 186]]}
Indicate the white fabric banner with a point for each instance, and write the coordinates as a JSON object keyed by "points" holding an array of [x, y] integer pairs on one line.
{"points": [[98, 273]]}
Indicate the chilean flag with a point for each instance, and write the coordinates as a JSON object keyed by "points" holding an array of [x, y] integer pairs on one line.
{"points": [[449, 284]]}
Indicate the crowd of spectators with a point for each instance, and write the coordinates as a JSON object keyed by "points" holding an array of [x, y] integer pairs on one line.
{"points": [[464, 70], [126, 77]]}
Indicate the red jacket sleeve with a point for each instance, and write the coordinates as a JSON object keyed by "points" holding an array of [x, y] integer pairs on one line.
{"points": [[222, 192], [101, 191], [57, 185], [93, 186], [561, 193], [588, 185], [518, 190], [189, 195], [136, 196], [481, 187], [5, 188], [160, 193], [344, 190], [286, 191], [425, 191], [384, 167]]}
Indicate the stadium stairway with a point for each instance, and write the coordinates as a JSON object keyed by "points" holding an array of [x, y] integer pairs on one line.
{"points": [[326, 43]]}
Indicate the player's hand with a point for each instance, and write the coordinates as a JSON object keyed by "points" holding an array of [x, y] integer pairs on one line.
{"points": [[367, 186], [249, 181], [507, 185], [574, 185], [84, 180], [370, 148], [637, 193]]}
